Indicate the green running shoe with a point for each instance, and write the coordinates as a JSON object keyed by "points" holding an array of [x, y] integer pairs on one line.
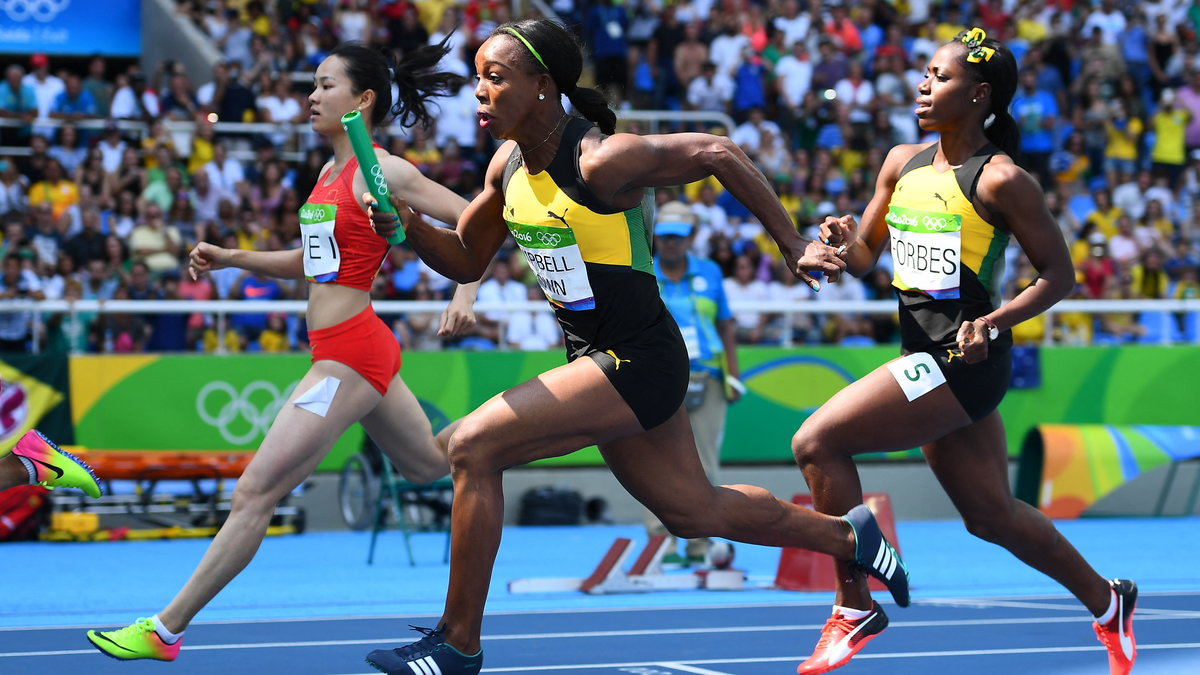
{"points": [[56, 467], [139, 641]]}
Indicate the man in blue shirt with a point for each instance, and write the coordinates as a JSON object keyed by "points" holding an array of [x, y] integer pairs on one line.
{"points": [[17, 101], [1036, 112], [692, 290]]}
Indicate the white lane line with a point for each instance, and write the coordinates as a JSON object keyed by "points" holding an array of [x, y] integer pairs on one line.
{"points": [[631, 633], [695, 663], [797, 659], [690, 669]]}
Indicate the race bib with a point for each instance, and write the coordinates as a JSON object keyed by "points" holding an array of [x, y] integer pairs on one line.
{"points": [[554, 257], [917, 374], [926, 250], [321, 255]]}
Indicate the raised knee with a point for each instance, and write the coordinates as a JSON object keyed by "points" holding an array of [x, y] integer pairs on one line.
{"points": [[469, 447], [807, 445]]}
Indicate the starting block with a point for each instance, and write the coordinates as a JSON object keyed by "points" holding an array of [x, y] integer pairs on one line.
{"points": [[804, 570], [644, 576]]}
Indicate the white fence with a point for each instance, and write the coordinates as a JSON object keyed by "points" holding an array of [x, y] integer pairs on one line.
{"points": [[299, 137], [220, 309]]}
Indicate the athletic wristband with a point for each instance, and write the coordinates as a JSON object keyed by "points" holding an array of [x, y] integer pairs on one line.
{"points": [[735, 384]]}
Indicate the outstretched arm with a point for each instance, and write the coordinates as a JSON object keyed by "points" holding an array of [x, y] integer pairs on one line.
{"points": [[619, 168], [206, 257]]}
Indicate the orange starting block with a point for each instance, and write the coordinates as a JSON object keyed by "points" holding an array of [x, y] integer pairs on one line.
{"points": [[804, 570], [645, 575]]}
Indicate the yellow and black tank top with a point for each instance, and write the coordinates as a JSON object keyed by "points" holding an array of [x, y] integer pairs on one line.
{"points": [[594, 264], [947, 260]]}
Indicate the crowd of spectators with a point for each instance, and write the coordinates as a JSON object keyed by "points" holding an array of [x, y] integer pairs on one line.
{"points": [[94, 207]]}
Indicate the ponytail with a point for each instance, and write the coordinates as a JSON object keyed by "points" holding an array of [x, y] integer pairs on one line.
{"points": [[417, 82], [1004, 133], [413, 74], [592, 105]]}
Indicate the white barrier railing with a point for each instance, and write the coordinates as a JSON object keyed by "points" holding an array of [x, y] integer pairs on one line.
{"points": [[787, 309], [297, 134]]}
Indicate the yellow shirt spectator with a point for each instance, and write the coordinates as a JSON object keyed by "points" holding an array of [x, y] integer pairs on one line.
{"points": [[272, 341], [1106, 220], [1123, 138], [1169, 127], [61, 195]]}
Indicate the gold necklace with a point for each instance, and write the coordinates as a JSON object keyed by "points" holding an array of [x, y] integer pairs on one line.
{"points": [[552, 132]]}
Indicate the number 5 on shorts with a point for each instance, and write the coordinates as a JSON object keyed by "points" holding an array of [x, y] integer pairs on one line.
{"points": [[917, 374]]}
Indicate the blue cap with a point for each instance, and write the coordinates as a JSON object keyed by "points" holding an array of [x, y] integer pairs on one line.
{"points": [[672, 229]]}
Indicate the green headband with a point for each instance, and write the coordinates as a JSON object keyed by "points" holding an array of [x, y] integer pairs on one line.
{"points": [[536, 55]]}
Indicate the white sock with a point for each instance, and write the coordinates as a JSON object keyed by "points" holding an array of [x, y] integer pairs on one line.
{"points": [[1112, 610], [852, 614], [166, 635], [30, 468]]}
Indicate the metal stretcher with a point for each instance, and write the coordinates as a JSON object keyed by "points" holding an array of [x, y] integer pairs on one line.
{"points": [[151, 494]]}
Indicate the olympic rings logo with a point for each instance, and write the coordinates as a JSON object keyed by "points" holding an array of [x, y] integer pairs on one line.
{"points": [[935, 223], [379, 179], [38, 10], [549, 238], [241, 416]]}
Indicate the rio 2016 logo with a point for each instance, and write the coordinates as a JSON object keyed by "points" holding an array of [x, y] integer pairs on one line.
{"points": [[241, 416], [38, 10]]}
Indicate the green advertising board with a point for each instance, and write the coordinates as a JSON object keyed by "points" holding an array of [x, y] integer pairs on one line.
{"points": [[205, 402]]}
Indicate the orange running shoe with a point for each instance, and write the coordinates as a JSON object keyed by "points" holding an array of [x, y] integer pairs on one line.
{"points": [[842, 638], [1117, 634]]}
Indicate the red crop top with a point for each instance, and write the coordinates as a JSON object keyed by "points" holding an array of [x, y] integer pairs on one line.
{"points": [[340, 247]]}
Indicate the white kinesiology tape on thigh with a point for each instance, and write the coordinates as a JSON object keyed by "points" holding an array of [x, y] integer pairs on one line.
{"points": [[317, 399]]}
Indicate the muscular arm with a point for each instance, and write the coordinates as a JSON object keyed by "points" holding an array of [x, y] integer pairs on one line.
{"points": [[619, 168], [1013, 196]]}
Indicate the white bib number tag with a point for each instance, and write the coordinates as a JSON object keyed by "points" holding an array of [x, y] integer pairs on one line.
{"points": [[917, 374], [321, 255], [555, 259], [926, 250]]}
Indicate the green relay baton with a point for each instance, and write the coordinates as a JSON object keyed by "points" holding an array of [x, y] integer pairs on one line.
{"points": [[368, 163]]}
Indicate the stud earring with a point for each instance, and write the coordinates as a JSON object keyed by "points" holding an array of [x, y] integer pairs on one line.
{"points": [[541, 97], [974, 100]]}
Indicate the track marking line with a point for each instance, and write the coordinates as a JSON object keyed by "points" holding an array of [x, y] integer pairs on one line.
{"points": [[690, 669], [627, 633]]}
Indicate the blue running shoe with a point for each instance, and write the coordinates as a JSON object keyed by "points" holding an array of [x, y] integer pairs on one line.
{"points": [[428, 656], [875, 556]]}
